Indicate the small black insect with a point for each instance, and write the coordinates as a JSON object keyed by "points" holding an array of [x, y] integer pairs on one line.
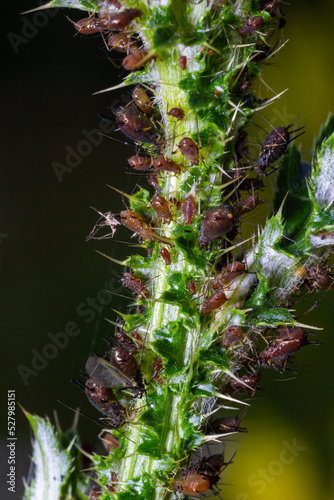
{"points": [[274, 146]]}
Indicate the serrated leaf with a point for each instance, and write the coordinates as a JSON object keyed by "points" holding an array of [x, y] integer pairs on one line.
{"points": [[52, 465]]}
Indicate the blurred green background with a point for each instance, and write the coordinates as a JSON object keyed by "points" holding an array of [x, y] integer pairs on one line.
{"points": [[48, 270]]}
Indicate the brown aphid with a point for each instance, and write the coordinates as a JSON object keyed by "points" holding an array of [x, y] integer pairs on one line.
{"points": [[228, 274], [120, 20], [114, 479], [273, 147], [252, 24], [135, 284], [212, 303], [136, 223], [121, 42], [134, 124], [136, 60], [142, 100], [123, 359], [238, 386], [104, 400], [188, 206], [87, 25], [291, 340], [140, 162], [165, 165], [93, 494], [192, 287], [192, 483], [166, 256], [183, 62], [124, 340], [232, 335], [224, 425], [189, 149], [161, 207], [155, 183], [110, 442], [247, 204], [177, 113], [318, 278], [217, 222]]}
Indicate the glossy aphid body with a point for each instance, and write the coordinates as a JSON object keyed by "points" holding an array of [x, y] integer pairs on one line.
{"points": [[290, 340], [183, 62], [189, 208], [161, 207], [217, 222], [247, 204], [110, 442], [177, 113], [140, 162], [136, 223], [121, 42], [190, 150], [142, 100], [111, 377], [214, 302], [123, 359], [274, 146], [228, 274], [87, 25], [166, 256], [136, 125], [252, 24], [231, 335], [120, 20], [135, 284]]}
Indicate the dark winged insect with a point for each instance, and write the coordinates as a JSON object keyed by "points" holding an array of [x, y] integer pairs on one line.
{"points": [[111, 377], [212, 303], [135, 284], [104, 400], [274, 146], [166, 256], [134, 124], [120, 20], [217, 222], [189, 149], [177, 113], [252, 24]]}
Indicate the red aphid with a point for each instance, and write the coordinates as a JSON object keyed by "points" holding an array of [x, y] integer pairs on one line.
{"points": [[250, 380], [136, 60], [217, 222], [121, 42], [183, 62], [157, 369], [228, 274], [140, 162], [166, 256], [192, 287], [87, 26], [288, 342], [165, 165]]}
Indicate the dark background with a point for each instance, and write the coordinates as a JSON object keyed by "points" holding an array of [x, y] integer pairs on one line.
{"points": [[48, 269]]}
